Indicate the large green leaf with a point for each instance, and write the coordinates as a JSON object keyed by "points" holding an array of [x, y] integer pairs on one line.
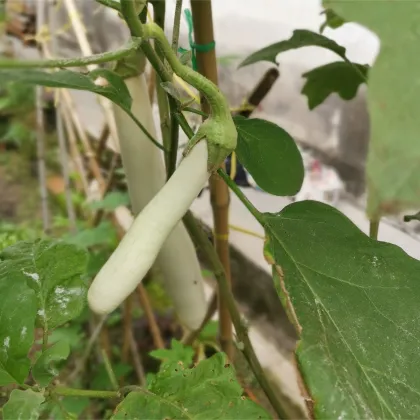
{"points": [[116, 90], [55, 271], [25, 405], [300, 38], [356, 304], [44, 370], [339, 77], [208, 391], [101, 81], [393, 172], [18, 306], [270, 155]]}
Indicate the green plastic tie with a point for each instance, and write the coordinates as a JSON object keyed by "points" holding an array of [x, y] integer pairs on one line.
{"points": [[194, 47]]}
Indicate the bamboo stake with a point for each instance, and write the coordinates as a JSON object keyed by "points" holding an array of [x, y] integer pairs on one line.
{"points": [[88, 150], [40, 134], [74, 151], [219, 192], [68, 105], [86, 49], [71, 214]]}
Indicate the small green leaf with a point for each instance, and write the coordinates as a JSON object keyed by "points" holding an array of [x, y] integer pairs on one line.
{"points": [[208, 391], [177, 353], [270, 155], [393, 172], [55, 272], [111, 86], [18, 307], [355, 301], [172, 91], [111, 201], [332, 20], [300, 38], [116, 90], [44, 370], [25, 405], [339, 77]]}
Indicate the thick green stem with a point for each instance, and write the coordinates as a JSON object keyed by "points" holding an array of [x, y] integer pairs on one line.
{"points": [[167, 105], [71, 392], [238, 192], [157, 64], [213, 95], [241, 330], [73, 62], [113, 4], [136, 28], [174, 139], [195, 111]]}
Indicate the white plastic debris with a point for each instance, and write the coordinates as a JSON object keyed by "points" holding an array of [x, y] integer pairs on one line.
{"points": [[321, 183]]}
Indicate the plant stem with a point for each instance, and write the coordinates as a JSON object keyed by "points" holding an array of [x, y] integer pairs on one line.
{"points": [[374, 229], [211, 310], [169, 123], [80, 366], [195, 111], [129, 13], [72, 392], [150, 316], [162, 98], [138, 366], [241, 330], [113, 4], [45, 337], [177, 23], [72, 62], [127, 321], [219, 192], [174, 139], [109, 370], [238, 192]]}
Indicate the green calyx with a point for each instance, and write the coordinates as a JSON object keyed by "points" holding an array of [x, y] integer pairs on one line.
{"points": [[219, 129], [221, 138]]}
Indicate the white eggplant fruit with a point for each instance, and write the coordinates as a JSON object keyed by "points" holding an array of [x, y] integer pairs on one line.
{"points": [[157, 232]]}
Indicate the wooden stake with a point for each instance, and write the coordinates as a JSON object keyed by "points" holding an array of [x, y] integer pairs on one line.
{"points": [[219, 193]]}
